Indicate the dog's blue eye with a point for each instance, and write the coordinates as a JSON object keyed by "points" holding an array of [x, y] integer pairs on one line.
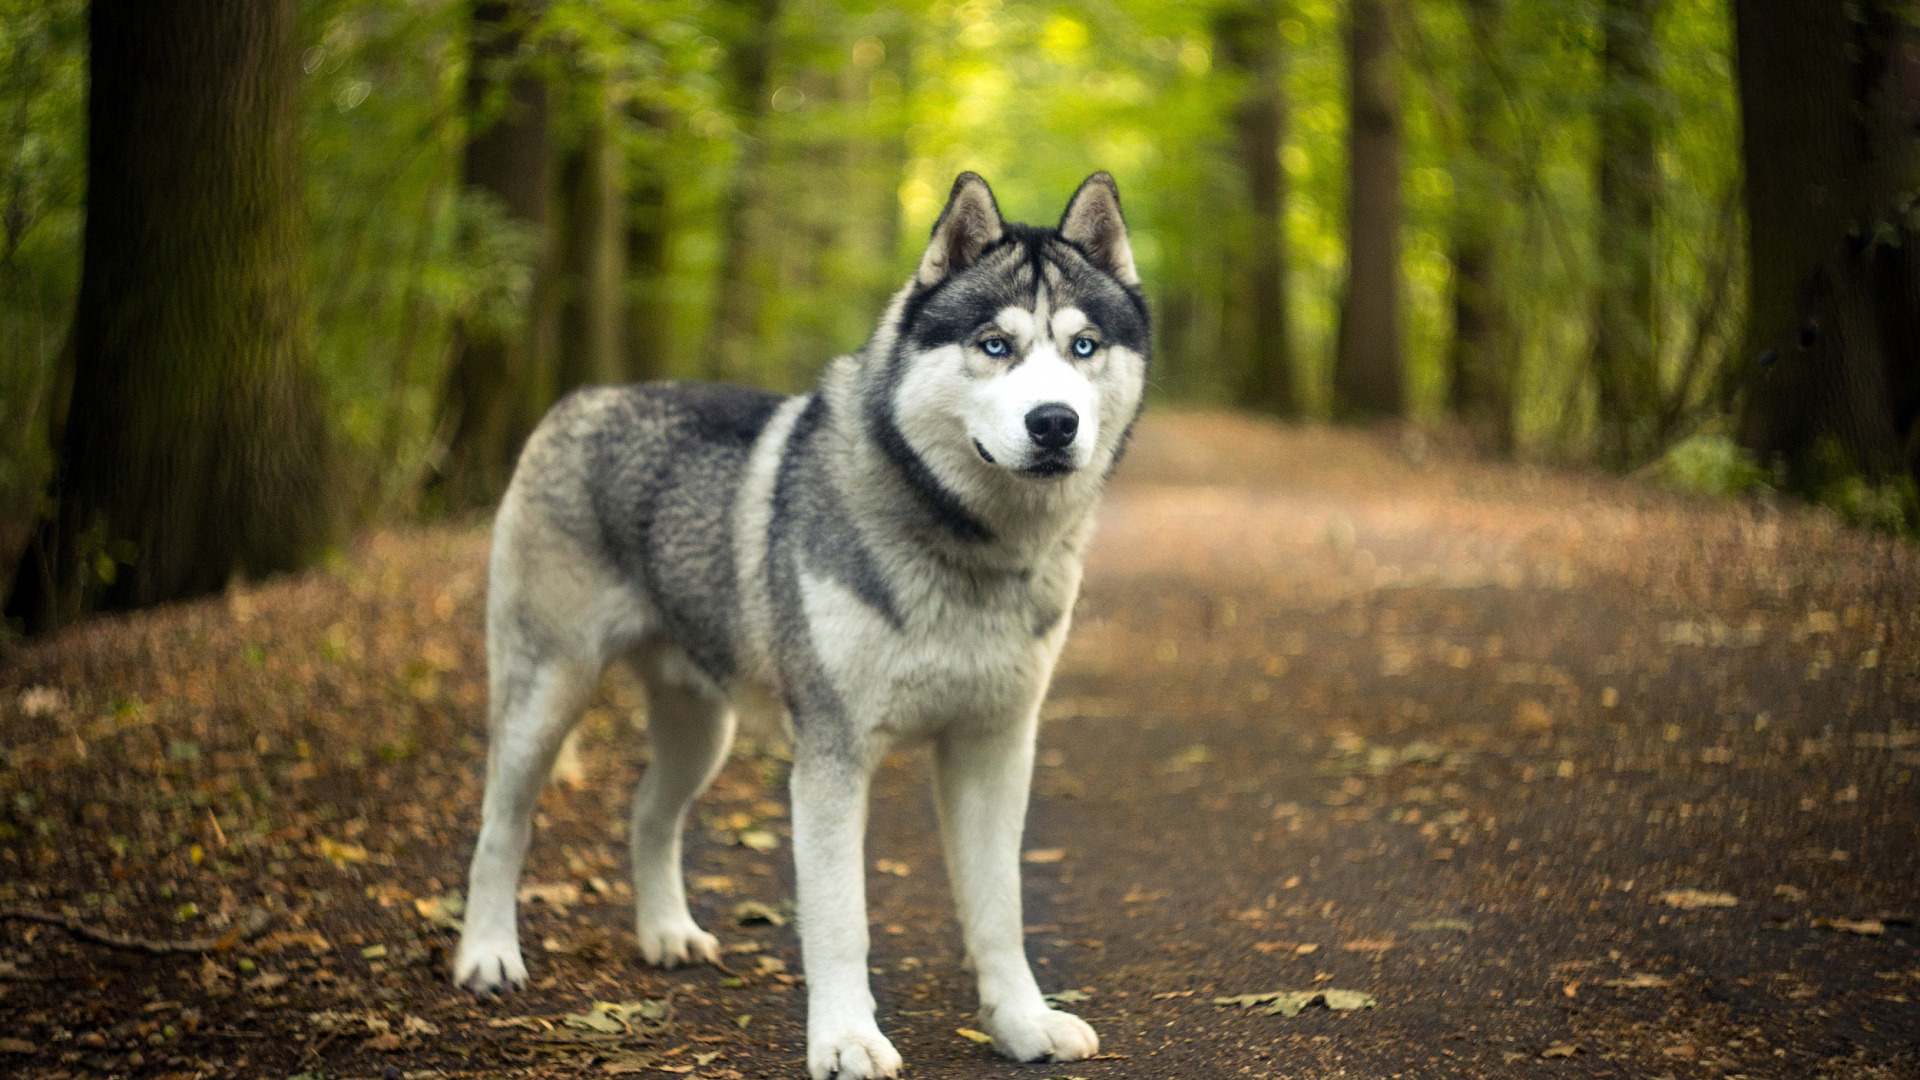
{"points": [[994, 346], [1083, 347]]}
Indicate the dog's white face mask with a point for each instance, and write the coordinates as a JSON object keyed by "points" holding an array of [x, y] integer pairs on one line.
{"points": [[1031, 341]]}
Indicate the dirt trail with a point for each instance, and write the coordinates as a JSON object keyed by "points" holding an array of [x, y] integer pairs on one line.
{"points": [[1572, 778]]}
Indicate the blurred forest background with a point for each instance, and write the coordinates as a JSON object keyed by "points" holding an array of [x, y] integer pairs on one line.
{"points": [[343, 253]]}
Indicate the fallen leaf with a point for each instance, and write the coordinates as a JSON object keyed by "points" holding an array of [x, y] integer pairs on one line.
{"points": [[17, 1046], [1792, 894], [1863, 927], [1434, 925], [340, 852], [1694, 899], [1044, 855], [1639, 980], [760, 840], [559, 894], [974, 1036], [1291, 1002], [753, 911], [1530, 715], [1561, 1050], [1372, 945], [1068, 997], [443, 911], [385, 1043], [594, 1020]]}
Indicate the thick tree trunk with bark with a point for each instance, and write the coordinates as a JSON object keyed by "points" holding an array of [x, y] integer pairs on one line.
{"points": [[592, 271], [649, 315], [1480, 390], [1367, 371], [1829, 97], [497, 380], [1248, 44], [736, 307], [1625, 361], [195, 445]]}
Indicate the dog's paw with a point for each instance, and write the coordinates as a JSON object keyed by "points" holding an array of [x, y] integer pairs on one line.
{"points": [[1032, 1034], [854, 1053], [488, 967], [676, 943]]}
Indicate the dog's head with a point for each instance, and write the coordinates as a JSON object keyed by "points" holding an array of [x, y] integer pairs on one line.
{"points": [[1020, 349]]}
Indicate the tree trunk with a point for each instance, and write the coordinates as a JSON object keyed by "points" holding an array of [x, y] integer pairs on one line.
{"points": [[1480, 391], [1829, 96], [592, 268], [195, 446], [496, 381], [1625, 362], [736, 308], [1247, 40], [1367, 375], [649, 317]]}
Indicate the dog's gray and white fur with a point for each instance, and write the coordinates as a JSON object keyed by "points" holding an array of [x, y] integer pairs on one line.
{"points": [[889, 559]]}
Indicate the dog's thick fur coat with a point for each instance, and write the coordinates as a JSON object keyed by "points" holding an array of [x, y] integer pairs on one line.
{"points": [[892, 558]]}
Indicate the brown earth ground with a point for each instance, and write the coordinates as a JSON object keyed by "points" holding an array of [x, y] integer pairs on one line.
{"points": [[1336, 714]]}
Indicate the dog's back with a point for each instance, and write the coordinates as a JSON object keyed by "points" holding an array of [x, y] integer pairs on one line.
{"points": [[634, 485]]}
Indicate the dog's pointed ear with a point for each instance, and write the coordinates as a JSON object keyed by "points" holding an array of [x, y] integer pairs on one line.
{"points": [[969, 225], [1093, 224]]}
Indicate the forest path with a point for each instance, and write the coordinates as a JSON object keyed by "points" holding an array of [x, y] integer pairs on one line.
{"points": [[1571, 777]]}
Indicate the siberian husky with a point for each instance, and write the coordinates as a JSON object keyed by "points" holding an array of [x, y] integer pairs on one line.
{"points": [[890, 559]]}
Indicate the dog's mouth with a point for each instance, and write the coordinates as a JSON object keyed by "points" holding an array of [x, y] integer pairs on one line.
{"points": [[1050, 465]]}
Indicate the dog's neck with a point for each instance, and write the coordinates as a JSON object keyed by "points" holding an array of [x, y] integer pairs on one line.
{"points": [[955, 509]]}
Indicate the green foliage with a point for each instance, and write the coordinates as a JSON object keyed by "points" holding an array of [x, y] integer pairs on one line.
{"points": [[1710, 464], [1891, 506], [868, 111], [43, 48]]}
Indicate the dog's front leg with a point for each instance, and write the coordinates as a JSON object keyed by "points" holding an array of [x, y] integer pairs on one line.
{"points": [[981, 792], [829, 827]]}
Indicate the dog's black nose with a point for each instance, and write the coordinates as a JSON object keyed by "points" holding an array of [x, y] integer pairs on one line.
{"points": [[1052, 426]]}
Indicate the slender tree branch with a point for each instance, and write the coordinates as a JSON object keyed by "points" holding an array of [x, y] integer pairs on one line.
{"points": [[246, 930]]}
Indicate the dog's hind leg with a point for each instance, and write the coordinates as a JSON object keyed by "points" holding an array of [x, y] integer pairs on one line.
{"points": [[535, 704], [690, 728]]}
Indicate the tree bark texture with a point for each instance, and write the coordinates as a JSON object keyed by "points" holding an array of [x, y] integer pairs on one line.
{"points": [[1829, 96], [592, 272], [1625, 358], [1248, 43], [734, 330], [648, 338], [1480, 390], [195, 447], [1367, 371], [497, 381]]}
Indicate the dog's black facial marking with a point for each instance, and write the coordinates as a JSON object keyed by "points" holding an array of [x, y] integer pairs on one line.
{"points": [[984, 456], [942, 504]]}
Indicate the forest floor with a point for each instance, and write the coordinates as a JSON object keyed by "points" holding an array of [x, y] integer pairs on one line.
{"points": [[1572, 777]]}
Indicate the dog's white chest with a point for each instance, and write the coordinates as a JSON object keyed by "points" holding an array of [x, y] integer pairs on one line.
{"points": [[973, 664]]}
